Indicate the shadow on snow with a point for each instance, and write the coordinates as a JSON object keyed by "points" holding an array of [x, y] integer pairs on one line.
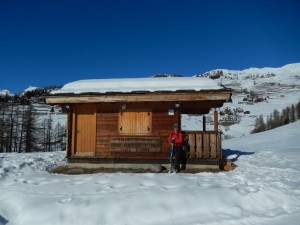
{"points": [[3, 221], [234, 155]]}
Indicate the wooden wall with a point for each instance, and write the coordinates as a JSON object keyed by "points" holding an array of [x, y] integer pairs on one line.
{"points": [[106, 118], [107, 127]]}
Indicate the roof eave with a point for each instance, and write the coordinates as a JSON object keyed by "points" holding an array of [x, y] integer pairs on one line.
{"points": [[67, 98]]}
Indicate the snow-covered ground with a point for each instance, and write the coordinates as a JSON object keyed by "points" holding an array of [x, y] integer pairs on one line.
{"points": [[264, 189]]}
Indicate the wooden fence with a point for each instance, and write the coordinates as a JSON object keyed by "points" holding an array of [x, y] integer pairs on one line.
{"points": [[204, 144]]}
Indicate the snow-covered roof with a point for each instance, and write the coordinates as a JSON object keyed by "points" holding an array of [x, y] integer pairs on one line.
{"points": [[127, 85]]}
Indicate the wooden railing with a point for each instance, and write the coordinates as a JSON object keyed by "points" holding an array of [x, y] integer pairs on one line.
{"points": [[204, 144]]}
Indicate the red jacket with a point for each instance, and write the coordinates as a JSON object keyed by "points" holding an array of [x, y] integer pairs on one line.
{"points": [[177, 137]]}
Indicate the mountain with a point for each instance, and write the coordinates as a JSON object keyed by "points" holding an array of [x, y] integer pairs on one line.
{"points": [[5, 93], [30, 89], [292, 69], [166, 75], [256, 91], [253, 77], [28, 96]]}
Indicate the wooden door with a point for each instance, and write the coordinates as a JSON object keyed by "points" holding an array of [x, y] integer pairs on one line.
{"points": [[85, 130]]}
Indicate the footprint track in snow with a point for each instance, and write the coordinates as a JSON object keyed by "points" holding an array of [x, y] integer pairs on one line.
{"points": [[64, 200]]}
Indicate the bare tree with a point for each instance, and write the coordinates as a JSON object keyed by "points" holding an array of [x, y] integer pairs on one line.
{"points": [[3, 128], [30, 130]]}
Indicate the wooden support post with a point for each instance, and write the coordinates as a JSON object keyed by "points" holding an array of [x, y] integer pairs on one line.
{"points": [[204, 123], [74, 131], [69, 134], [216, 123], [178, 117]]}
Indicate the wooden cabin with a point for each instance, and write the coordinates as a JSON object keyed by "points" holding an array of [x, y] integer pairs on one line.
{"points": [[126, 122]]}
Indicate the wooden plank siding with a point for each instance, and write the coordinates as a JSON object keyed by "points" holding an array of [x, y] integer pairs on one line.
{"points": [[148, 97], [192, 142], [199, 146], [204, 144], [95, 125], [108, 127], [135, 122]]}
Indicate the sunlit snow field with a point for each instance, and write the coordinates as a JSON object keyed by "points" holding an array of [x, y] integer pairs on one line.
{"points": [[264, 189]]}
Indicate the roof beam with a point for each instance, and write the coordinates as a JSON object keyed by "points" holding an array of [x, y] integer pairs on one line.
{"points": [[148, 97]]}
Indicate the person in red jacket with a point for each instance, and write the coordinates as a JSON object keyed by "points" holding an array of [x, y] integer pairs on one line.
{"points": [[175, 140]]}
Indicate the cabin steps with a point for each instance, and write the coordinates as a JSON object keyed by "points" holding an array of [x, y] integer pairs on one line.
{"points": [[227, 165]]}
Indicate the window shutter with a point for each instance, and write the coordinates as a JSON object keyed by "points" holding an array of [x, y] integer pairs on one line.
{"points": [[135, 122]]}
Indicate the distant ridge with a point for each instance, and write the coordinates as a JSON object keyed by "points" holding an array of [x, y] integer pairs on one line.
{"points": [[166, 75], [5, 93], [292, 69], [266, 72]]}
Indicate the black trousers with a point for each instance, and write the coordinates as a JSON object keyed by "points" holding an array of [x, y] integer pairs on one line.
{"points": [[180, 158]]}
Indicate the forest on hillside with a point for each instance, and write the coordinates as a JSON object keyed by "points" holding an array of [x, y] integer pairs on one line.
{"points": [[276, 119], [28, 125]]}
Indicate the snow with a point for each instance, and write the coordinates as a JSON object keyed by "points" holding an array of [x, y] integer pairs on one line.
{"points": [[139, 84], [5, 92], [264, 189], [279, 86], [30, 88]]}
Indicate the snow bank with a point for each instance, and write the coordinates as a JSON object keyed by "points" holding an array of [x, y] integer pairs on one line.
{"points": [[263, 190], [139, 84], [16, 163]]}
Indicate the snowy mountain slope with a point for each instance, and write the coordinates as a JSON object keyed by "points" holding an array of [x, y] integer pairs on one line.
{"points": [[263, 190], [30, 88], [259, 79], [276, 88], [287, 70], [5, 92]]}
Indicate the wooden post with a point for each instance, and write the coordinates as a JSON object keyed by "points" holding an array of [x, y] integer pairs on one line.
{"points": [[204, 123], [216, 124], [178, 116], [69, 134], [74, 130]]}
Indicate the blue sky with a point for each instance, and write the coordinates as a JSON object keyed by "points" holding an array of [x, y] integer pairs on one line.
{"points": [[53, 42]]}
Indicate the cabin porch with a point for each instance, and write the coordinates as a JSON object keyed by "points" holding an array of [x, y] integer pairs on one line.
{"points": [[204, 153]]}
